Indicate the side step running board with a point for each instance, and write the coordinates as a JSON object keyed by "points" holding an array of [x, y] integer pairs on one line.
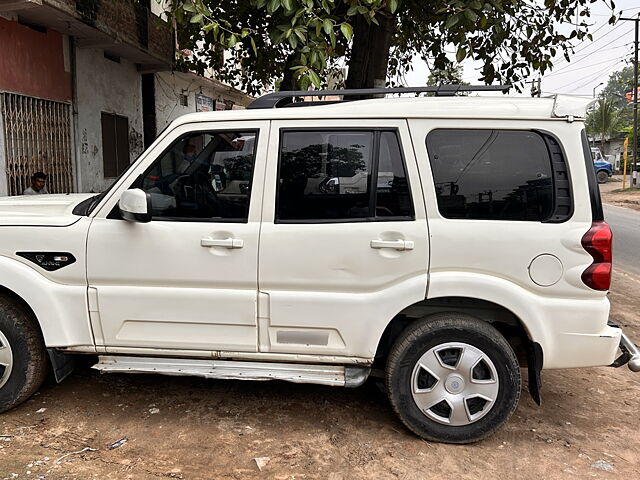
{"points": [[334, 375]]}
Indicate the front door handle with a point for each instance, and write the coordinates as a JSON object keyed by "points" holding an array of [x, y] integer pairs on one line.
{"points": [[395, 244], [222, 242]]}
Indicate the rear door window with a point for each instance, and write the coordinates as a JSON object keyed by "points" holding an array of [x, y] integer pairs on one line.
{"points": [[491, 174]]}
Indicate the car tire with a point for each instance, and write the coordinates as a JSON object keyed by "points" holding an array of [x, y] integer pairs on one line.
{"points": [[434, 359], [22, 354], [602, 176]]}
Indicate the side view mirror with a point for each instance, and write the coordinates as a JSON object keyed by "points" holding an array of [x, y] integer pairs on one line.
{"points": [[135, 205], [330, 185]]}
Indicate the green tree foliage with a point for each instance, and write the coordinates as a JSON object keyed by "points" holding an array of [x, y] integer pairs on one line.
{"points": [[613, 114], [605, 121], [618, 84], [298, 42], [451, 74]]}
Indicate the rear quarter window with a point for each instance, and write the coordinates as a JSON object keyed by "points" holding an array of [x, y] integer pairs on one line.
{"points": [[493, 174]]}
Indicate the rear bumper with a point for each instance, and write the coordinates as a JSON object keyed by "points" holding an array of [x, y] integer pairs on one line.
{"points": [[585, 349], [630, 353]]}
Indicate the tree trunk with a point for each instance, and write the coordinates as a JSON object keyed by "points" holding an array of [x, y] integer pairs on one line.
{"points": [[370, 52], [289, 81]]}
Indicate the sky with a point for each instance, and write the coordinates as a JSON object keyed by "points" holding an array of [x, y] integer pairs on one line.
{"points": [[591, 64]]}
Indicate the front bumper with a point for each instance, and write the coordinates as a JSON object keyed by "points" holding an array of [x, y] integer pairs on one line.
{"points": [[630, 353]]}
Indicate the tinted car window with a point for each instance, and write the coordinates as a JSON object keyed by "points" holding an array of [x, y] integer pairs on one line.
{"points": [[491, 174], [324, 175], [392, 190], [203, 176]]}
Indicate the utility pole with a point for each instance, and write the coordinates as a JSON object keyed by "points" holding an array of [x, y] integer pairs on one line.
{"points": [[635, 97], [536, 87], [539, 87]]}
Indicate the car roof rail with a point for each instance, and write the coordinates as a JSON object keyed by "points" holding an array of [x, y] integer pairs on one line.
{"points": [[287, 98]]}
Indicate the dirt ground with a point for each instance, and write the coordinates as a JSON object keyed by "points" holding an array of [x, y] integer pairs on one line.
{"points": [[613, 193], [189, 428]]}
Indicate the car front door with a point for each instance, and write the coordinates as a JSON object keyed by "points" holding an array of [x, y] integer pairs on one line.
{"points": [[344, 244], [186, 280]]}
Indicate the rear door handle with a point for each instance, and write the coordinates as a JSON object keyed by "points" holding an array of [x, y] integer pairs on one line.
{"points": [[222, 242], [395, 244]]}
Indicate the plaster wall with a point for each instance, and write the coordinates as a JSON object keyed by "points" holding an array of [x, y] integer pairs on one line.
{"points": [[169, 86], [104, 86]]}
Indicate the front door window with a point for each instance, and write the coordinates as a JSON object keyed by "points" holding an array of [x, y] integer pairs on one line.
{"points": [[204, 176]]}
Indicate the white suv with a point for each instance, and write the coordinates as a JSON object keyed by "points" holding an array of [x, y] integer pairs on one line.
{"points": [[441, 242]]}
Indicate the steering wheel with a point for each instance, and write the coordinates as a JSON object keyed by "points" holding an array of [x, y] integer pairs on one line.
{"points": [[195, 195]]}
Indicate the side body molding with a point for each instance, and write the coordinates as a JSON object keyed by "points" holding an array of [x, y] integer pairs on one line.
{"points": [[61, 309]]}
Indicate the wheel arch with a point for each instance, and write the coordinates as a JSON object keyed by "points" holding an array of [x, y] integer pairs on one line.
{"points": [[61, 311], [502, 318], [7, 292], [61, 364], [511, 327]]}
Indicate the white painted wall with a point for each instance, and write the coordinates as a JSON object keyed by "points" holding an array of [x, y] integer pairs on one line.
{"points": [[159, 7], [169, 86], [104, 86]]}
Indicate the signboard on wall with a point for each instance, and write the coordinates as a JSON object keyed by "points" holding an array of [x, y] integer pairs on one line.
{"points": [[203, 103], [220, 105]]}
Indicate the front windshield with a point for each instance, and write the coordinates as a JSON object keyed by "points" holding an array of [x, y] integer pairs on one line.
{"points": [[596, 155]]}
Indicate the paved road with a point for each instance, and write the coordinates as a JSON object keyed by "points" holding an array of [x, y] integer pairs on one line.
{"points": [[625, 224]]}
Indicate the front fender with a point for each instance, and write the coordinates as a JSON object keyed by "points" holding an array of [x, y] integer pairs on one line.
{"points": [[61, 310]]}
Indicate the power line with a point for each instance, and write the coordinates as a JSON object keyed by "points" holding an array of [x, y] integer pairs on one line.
{"points": [[619, 24], [603, 15], [586, 66], [469, 77], [591, 77], [607, 44], [595, 76], [605, 49], [563, 58], [587, 55], [563, 70], [599, 74], [549, 92], [573, 82]]}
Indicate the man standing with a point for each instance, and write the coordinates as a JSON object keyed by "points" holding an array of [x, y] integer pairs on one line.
{"points": [[38, 185]]}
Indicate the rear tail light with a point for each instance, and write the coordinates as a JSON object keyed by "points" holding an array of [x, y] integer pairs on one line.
{"points": [[598, 243]]}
